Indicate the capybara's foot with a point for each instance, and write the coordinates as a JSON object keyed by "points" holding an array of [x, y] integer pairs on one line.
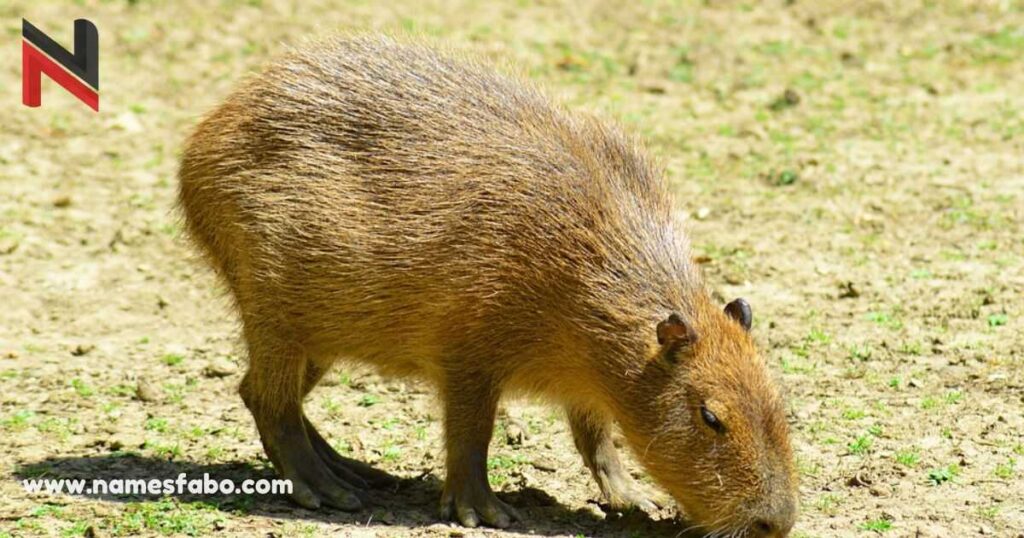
{"points": [[475, 504], [313, 482], [623, 493], [352, 471]]}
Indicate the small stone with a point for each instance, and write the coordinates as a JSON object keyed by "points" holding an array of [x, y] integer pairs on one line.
{"points": [[82, 349], [544, 465], [789, 98], [62, 202], [146, 391], [8, 245], [220, 368], [733, 279], [128, 122], [515, 432]]}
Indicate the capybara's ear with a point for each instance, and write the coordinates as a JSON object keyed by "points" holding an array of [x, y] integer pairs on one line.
{"points": [[739, 310], [675, 332]]}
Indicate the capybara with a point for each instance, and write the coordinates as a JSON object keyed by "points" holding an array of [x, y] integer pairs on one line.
{"points": [[378, 202]]}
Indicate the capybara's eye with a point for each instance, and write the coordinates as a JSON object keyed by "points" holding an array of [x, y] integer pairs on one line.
{"points": [[711, 420]]}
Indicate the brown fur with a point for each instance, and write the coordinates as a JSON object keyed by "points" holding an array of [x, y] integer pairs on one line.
{"points": [[380, 203]]}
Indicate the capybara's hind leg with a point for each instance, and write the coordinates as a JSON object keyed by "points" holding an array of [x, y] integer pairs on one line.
{"points": [[348, 469], [272, 390]]}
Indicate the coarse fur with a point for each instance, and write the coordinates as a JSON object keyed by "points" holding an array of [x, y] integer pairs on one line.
{"points": [[377, 202]]}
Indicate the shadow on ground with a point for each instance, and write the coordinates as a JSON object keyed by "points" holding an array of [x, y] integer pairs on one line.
{"points": [[411, 504]]}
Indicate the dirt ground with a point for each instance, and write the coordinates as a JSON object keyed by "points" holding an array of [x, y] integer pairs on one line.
{"points": [[854, 169]]}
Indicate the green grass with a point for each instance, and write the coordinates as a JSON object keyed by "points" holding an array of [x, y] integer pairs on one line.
{"points": [[368, 400], [156, 424], [910, 348], [172, 359], [18, 420], [332, 406], [860, 352], [1007, 469], [885, 319], [854, 414], [861, 445], [997, 320], [877, 525], [60, 427], [163, 450], [391, 451], [941, 475], [828, 503], [120, 389], [908, 458], [989, 513], [166, 517], [500, 466], [81, 388]]}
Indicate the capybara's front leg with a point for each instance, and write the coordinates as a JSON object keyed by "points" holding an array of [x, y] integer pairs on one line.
{"points": [[592, 435], [471, 402]]}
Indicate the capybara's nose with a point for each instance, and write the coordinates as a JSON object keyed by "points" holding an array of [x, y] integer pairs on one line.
{"points": [[762, 528], [776, 526]]}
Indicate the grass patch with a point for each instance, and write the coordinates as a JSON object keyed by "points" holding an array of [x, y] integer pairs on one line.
{"points": [[368, 400], [167, 517], [1007, 469], [81, 388], [941, 475], [500, 467], [908, 458], [877, 525], [172, 359], [998, 320], [860, 445]]}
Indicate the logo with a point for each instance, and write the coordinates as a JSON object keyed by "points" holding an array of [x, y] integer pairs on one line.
{"points": [[78, 73]]}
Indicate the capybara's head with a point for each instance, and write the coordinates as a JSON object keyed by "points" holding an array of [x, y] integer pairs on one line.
{"points": [[715, 432]]}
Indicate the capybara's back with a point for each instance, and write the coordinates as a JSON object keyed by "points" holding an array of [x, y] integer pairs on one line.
{"points": [[379, 202], [373, 185]]}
